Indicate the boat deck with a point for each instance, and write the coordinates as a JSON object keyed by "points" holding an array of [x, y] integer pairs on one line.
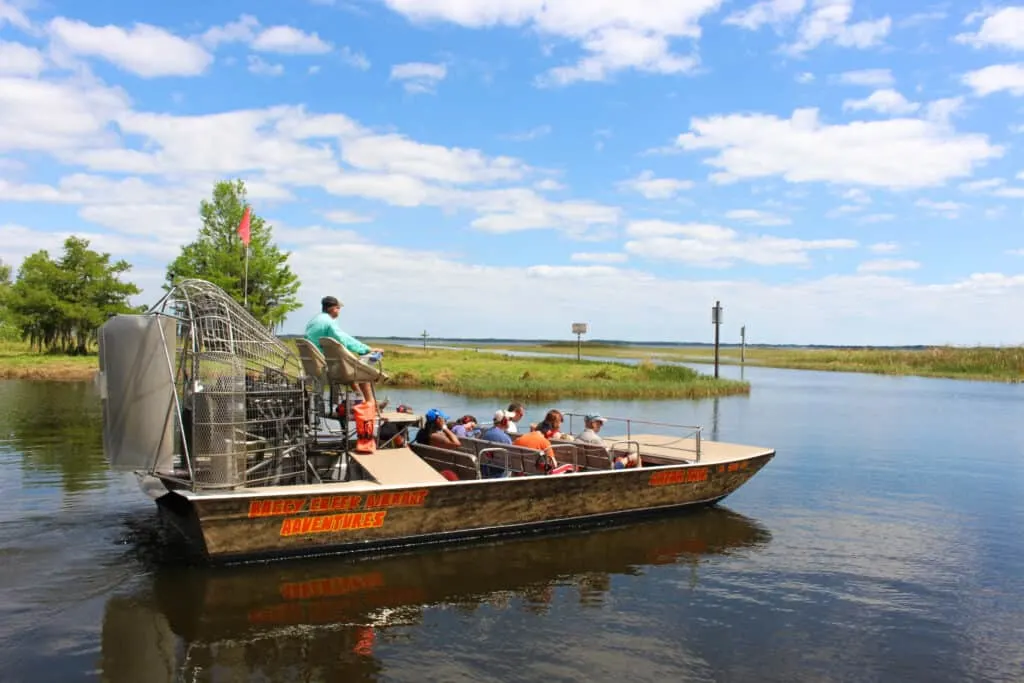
{"points": [[674, 448]]}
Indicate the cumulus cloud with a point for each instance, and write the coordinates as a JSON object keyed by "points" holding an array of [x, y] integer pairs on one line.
{"points": [[756, 217], [887, 265], [615, 36], [714, 246], [20, 60], [144, 50], [877, 78], [1002, 28], [419, 77], [652, 187], [829, 22], [996, 78], [895, 153], [886, 101]]}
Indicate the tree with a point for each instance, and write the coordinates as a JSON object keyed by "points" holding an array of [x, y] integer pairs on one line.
{"points": [[8, 331], [218, 256], [60, 305]]}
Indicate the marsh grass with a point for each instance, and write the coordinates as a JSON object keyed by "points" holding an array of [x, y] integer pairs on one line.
{"points": [[1002, 364], [483, 374], [17, 361]]}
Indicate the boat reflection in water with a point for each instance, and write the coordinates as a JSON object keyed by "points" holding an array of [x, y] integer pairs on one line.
{"points": [[299, 620]]}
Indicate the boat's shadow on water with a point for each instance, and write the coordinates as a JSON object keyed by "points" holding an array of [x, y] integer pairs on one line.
{"points": [[287, 620]]}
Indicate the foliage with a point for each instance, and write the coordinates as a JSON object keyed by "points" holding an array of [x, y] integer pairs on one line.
{"points": [[218, 256], [8, 330], [60, 305]]}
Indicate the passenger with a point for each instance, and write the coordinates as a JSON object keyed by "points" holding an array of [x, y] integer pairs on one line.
{"points": [[589, 435], [435, 431], [465, 426], [518, 411], [499, 432], [592, 425], [325, 324], [551, 427], [538, 442]]}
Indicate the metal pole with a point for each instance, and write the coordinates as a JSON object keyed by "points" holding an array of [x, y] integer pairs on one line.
{"points": [[245, 286], [578, 336], [717, 325], [743, 344]]}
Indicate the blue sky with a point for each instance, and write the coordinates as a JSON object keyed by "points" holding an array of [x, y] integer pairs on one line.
{"points": [[834, 171]]}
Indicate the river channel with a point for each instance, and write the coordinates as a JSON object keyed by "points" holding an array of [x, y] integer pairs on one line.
{"points": [[885, 542]]}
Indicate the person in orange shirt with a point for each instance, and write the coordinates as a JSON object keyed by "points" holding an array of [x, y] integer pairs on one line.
{"points": [[538, 442]]}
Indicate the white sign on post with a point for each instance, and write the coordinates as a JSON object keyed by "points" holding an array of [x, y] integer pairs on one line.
{"points": [[579, 328]]}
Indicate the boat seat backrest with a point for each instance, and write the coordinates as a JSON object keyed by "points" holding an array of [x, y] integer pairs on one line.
{"points": [[345, 367], [520, 458], [313, 362], [463, 464], [594, 457]]}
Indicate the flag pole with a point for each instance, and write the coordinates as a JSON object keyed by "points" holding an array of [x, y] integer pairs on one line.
{"points": [[243, 233], [245, 285]]}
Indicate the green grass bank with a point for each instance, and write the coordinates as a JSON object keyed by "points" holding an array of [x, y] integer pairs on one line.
{"points": [[997, 364], [468, 373]]}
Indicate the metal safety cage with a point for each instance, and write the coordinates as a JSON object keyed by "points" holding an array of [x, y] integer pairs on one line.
{"points": [[242, 399]]}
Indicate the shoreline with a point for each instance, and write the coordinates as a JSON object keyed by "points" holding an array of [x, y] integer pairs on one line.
{"points": [[462, 372]]}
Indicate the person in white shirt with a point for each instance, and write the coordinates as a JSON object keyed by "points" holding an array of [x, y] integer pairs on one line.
{"points": [[592, 424], [518, 411]]}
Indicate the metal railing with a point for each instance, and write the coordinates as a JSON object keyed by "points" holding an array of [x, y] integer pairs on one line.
{"points": [[689, 431]]}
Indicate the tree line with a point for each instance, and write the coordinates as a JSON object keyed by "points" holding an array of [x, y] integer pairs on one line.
{"points": [[57, 305]]}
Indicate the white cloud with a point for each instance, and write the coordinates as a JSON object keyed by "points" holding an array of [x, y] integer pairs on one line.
{"points": [[591, 257], [289, 40], [531, 134], [878, 218], [1003, 28], [144, 50], [941, 111], [354, 59], [774, 12], [757, 217], [896, 153], [982, 185], [655, 188], [614, 35], [829, 22], [886, 101], [1015, 252], [805, 78], [996, 78], [10, 14], [876, 78], [887, 265], [241, 31], [946, 209], [713, 246], [549, 185], [258, 66], [855, 194], [345, 217], [54, 116], [419, 77], [20, 60], [884, 247]]}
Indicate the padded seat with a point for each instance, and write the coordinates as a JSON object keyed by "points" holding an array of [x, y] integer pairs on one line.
{"points": [[345, 367]]}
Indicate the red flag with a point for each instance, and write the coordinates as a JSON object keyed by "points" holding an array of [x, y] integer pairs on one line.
{"points": [[243, 227]]}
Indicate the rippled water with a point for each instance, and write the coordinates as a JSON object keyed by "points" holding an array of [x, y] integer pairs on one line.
{"points": [[884, 543]]}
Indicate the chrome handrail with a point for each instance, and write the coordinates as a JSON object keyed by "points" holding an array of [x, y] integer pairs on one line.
{"points": [[694, 431]]}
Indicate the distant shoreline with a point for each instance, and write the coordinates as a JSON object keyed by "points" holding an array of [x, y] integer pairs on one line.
{"points": [[994, 364]]}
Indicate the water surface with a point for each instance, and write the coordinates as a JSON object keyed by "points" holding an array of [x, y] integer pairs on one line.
{"points": [[883, 543]]}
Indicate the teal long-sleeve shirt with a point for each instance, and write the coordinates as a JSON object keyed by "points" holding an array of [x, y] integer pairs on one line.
{"points": [[323, 325]]}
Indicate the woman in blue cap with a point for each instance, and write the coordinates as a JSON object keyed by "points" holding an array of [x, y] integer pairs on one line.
{"points": [[435, 431]]}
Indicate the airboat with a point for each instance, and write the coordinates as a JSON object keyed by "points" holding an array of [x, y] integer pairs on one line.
{"points": [[248, 447]]}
